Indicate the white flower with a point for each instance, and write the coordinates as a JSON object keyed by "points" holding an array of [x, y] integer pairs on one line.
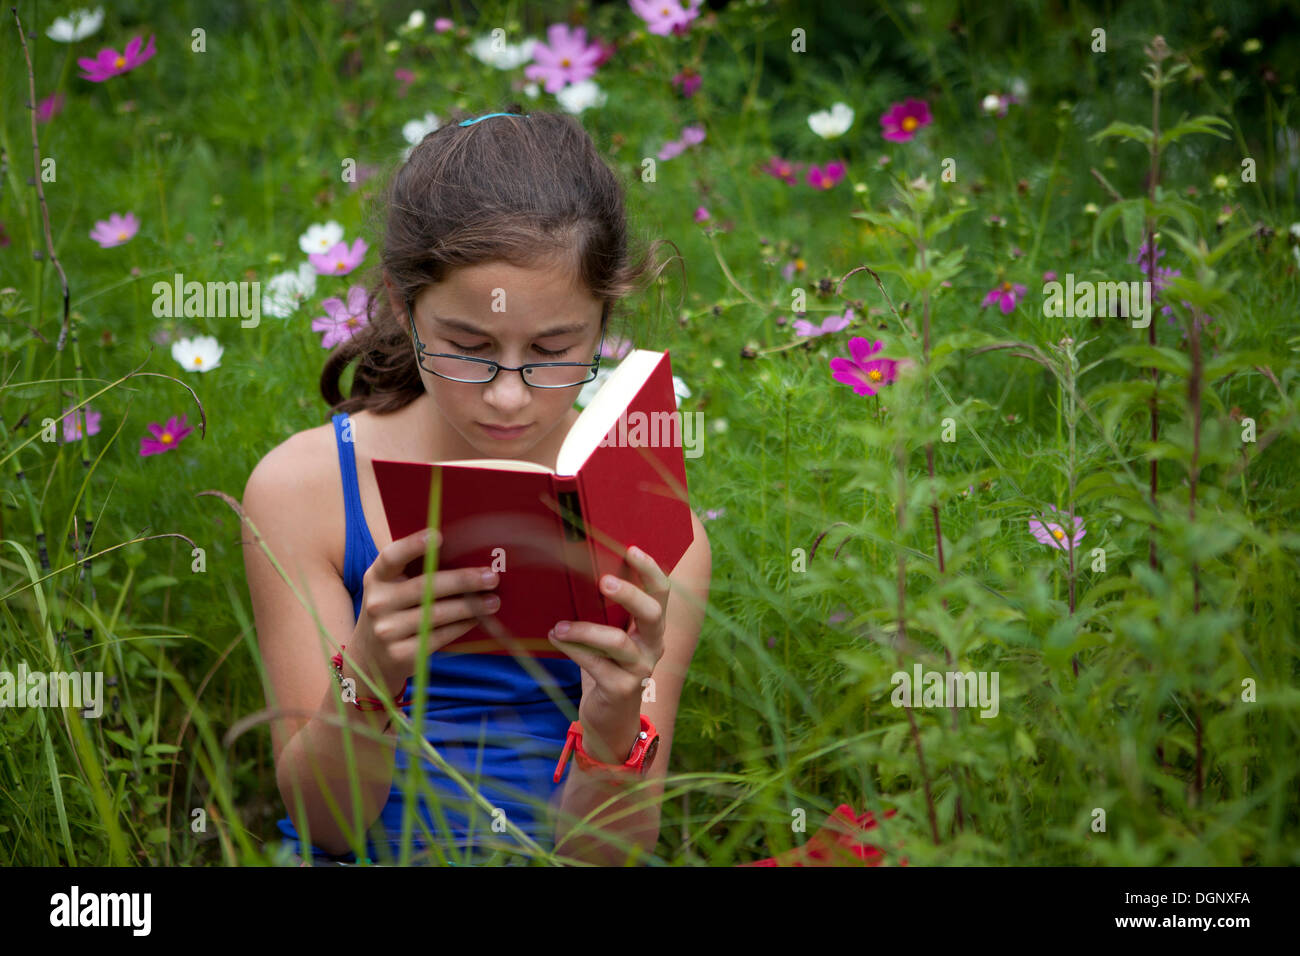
{"points": [[532, 91], [417, 129], [680, 390], [719, 425], [591, 388], [77, 25], [832, 123], [414, 22], [286, 291], [1019, 89], [504, 56], [991, 103], [201, 354], [576, 97], [320, 238], [1295, 230]]}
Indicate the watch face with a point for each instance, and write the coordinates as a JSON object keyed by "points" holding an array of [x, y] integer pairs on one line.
{"points": [[650, 752]]}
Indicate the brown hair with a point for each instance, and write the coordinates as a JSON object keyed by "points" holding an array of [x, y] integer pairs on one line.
{"points": [[511, 189]]}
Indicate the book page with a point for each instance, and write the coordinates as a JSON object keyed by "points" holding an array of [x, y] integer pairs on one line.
{"points": [[604, 410]]}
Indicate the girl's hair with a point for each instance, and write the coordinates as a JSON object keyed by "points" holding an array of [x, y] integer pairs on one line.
{"points": [[527, 191]]}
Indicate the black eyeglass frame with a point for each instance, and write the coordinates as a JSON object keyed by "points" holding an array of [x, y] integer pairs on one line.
{"points": [[420, 354]]}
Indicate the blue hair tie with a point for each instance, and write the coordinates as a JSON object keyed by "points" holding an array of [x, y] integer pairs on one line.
{"points": [[478, 119]]}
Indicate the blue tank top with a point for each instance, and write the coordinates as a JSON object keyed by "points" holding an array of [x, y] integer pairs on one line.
{"points": [[484, 714]]}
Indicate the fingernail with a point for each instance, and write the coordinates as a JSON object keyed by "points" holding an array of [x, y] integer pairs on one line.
{"points": [[561, 629], [611, 585], [492, 603], [489, 577]]}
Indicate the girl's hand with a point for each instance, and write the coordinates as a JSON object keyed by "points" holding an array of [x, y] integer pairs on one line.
{"points": [[615, 663]]}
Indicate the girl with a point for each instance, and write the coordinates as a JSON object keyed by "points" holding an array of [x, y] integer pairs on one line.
{"points": [[505, 241]]}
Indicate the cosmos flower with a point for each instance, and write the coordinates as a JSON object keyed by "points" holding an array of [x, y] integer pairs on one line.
{"points": [[115, 230], [1004, 296], [782, 169], [288, 290], [320, 237], [1053, 534], [77, 25], [579, 96], [199, 354], [834, 323], [165, 437], [566, 58], [339, 260], [829, 124], [504, 56], [825, 177], [865, 374], [74, 423], [901, 121], [342, 320], [663, 17], [110, 63]]}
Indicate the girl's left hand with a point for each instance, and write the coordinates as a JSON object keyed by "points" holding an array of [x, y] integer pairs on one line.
{"points": [[615, 663]]}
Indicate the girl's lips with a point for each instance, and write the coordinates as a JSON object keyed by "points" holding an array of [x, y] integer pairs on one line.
{"points": [[504, 432]]}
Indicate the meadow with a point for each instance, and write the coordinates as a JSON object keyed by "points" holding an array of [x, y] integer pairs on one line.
{"points": [[990, 313]]}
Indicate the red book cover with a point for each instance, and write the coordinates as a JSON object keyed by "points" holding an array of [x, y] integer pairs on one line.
{"points": [[621, 481]]}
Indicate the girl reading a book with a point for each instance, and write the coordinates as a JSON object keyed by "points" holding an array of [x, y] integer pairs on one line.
{"points": [[505, 248]]}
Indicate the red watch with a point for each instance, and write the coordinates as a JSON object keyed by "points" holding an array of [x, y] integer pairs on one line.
{"points": [[638, 761]]}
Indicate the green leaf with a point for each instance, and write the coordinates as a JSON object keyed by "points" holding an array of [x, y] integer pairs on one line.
{"points": [[1127, 131], [1145, 356], [154, 583], [1200, 124]]}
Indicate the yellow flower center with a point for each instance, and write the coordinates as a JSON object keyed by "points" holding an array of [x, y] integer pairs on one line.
{"points": [[1006, 287], [119, 63], [352, 323], [909, 123], [198, 360], [121, 234], [1058, 533], [875, 375], [167, 438], [799, 265], [565, 62], [341, 265]]}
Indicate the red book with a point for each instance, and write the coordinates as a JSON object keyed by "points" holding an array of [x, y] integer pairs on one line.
{"points": [[620, 480]]}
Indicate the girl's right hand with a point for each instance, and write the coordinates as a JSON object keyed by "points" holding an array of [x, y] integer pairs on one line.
{"points": [[384, 643]]}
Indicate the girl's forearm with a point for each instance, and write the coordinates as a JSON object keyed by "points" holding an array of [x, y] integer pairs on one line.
{"points": [[604, 840], [315, 763]]}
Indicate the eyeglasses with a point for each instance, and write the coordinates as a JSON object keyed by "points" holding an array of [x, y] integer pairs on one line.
{"points": [[477, 371]]}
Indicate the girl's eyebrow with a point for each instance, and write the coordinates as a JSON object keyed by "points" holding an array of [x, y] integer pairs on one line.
{"points": [[463, 326]]}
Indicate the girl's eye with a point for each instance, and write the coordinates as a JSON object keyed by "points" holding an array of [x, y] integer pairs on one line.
{"points": [[478, 348]]}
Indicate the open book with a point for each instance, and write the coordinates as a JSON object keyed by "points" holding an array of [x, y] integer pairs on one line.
{"points": [[620, 480]]}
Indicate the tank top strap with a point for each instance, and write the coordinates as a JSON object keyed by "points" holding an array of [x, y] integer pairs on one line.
{"points": [[359, 550]]}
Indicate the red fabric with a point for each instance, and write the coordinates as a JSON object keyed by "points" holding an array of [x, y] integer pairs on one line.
{"points": [[835, 844]]}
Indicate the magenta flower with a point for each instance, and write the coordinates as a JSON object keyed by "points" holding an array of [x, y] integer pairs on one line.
{"points": [[833, 323], [701, 214], [825, 177], [343, 320], [566, 58], [49, 107], [1049, 276], [165, 437], [110, 63], [782, 169], [864, 373], [691, 136], [339, 260], [615, 347], [663, 17], [712, 514], [115, 230], [1005, 296], [607, 51], [687, 81], [85, 420], [405, 77], [901, 121], [1054, 535], [442, 25]]}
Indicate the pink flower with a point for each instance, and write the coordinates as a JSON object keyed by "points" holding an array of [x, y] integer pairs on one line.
{"points": [[712, 514], [115, 230], [566, 57], [782, 169], [607, 51], [691, 136], [49, 107], [442, 25], [110, 63], [405, 77], [342, 320], [165, 437], [1005, 296], [1053, 534], [825, 177], [615, 347], [834, 323], [701, 214], [338, 260], [1049, 276], [901, 121], [73, 424], [864, 373], [688, 81], [663, 17]]}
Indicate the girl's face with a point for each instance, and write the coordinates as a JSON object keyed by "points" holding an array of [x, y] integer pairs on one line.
{"points": [[515, 316]]}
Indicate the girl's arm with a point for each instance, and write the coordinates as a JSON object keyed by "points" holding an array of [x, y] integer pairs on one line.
{"points": [[308, 742], [638, 810]]}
